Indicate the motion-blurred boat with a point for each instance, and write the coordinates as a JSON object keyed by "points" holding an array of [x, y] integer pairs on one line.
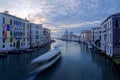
{"points": [[44, 61]]}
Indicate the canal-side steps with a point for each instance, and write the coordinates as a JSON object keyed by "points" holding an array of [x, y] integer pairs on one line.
{"points": [[115, 59]]}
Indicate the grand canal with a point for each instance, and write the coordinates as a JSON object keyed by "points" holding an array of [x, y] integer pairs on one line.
{"points": [[77, 63]]}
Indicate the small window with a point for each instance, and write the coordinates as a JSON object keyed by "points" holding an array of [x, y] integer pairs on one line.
{"points": [[28, 39], [3, 20], [24, 39], [14, 44], [10, 45], [21, 44], [10, 33], [14, 23], [3, 46], [3, 40], [116, 23], [10, 21], [23, 24], [27, 25], [10, 39]]}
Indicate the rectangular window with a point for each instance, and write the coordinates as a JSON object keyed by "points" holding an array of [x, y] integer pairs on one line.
{"points": [[14, 44], [28, 39], [10, 39], [21, 44], [14, 23], [3, 40], [24, 39], [3, 46], [3, 20], [23, 24], [27, 25], [10, 45], [116, 23], [10, 33], [10, 21]]}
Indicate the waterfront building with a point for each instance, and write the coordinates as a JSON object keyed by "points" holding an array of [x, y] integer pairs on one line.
{"points": [[82, 36], [95, 36], [46, 36], [110, 36], [74, 38], [69, 36], [65, 36], [14, 32], [36, 36], [19, 34], [85, 36]]}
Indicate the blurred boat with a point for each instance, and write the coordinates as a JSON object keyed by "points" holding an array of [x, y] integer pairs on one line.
{"points": [[44, 61]]}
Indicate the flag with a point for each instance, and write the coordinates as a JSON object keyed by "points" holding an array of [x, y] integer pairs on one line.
{"points": [[8, 31], [8, 27]]}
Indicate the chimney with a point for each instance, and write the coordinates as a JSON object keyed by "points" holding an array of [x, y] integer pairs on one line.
{"points": [[25, 18], [6, 12]]}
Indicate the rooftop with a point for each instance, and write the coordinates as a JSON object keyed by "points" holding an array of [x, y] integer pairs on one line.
{"points": [[117, 14], [7, 13]]}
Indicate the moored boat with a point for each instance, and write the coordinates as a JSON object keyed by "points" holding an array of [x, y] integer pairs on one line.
{"points": [[90, 45], [29, 50]]}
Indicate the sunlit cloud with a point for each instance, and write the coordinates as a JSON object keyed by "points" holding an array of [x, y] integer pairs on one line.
{"points": [[36, 18]]}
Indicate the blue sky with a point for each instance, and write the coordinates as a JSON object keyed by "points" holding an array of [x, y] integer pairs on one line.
{"points": [[58, 15]]}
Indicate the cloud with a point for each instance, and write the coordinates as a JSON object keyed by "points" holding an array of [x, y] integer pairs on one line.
{"points": [[79, 25], [36, 18], [75, 15], [58, 15]]}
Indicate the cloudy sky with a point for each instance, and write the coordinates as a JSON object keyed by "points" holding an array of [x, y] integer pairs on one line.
{"points": [[58, 15]]}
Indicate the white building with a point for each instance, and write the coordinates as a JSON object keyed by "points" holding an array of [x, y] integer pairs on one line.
{"points": [[46, 36], [96, 36], [110, 36], [85, 36], [14, 32], [36, 37]]}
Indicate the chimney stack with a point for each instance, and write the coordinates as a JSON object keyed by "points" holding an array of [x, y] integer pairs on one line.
{"points": [[6, 12]]}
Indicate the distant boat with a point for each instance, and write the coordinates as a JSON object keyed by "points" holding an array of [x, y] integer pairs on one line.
{"points": [[29, 50], [44, 61], [90, 45]]}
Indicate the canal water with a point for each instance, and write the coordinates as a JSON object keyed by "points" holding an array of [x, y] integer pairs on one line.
{"points": [[77, 63]]}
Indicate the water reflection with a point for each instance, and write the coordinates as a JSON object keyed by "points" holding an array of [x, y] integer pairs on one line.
{"points": [[14, 67], [79, 63], [107, 68]]}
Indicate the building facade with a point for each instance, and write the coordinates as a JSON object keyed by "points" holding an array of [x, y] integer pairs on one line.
{"points": [[110, 36], [96, 36], [20, 34], [46, 36], [14, 32], [36, 35], [85, 36], [69, 36]]}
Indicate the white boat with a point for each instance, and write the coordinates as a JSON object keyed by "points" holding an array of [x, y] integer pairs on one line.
{"points": [[44, 61], [90, 45]]}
